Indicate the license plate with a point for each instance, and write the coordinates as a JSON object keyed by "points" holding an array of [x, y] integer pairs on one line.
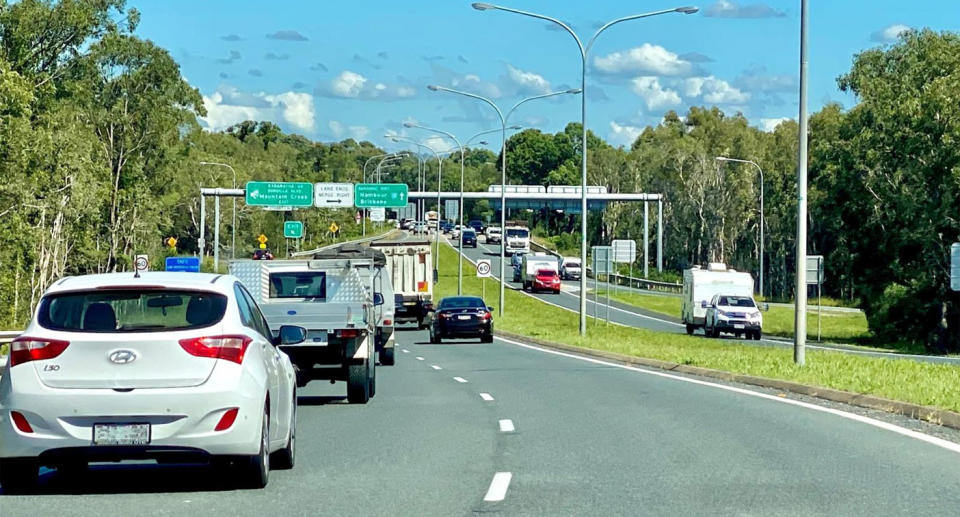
{"points": [[738, 326], [121, 434], [463, 317]]}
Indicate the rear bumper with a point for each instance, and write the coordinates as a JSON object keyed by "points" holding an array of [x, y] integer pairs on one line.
{"points": [[737, 326], [181, 419], [465, 331]]}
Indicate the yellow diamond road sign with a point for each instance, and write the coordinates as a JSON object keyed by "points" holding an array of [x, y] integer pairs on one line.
{"points": [[334, 228], [262, 239]]}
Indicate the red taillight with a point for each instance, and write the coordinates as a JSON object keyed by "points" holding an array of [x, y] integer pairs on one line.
{"points": [[26, 349], [348, 333], [227, 419], [487, 316], [388, 322], [444, 315], [20, 422], [230, 348]]}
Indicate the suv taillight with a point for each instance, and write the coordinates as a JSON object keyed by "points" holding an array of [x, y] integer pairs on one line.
{"points": [[347, 333], [230, 348], [26, 349]]}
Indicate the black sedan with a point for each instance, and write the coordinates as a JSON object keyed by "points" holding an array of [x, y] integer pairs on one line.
{"points": [[469, 238], [462, 317]]}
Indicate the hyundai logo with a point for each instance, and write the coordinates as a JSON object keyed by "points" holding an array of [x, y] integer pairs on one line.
{"points": [[123, 356]]}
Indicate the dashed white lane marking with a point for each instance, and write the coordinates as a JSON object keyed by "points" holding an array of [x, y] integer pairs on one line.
{"points": [[498, 487], [419, 358], [404, 350], [506, 426], [435, 367], [486, 396], [939, 442], [460, 379]]}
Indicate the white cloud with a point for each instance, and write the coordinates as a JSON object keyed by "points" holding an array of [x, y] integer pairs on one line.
{"points": [[714, 91], [336, 128], [227, 106], [728, 9], [440, 144], [646, 59], [297, 109], [359, 132], [890, 33], [769, 124], [623, 135], [472, 83], [528, 82], [351, 85], [655, 96]]}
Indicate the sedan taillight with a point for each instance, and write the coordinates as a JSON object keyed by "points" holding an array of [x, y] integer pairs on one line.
{"points": [[229, 348], [26, 349], [487, 316]]}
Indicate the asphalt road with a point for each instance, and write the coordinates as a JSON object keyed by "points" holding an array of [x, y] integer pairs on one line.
{"points": [[587, 439], [623, 314]]}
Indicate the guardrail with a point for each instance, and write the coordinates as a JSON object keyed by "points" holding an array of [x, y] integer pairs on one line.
{"points": [[7, 336], [638, 283]]}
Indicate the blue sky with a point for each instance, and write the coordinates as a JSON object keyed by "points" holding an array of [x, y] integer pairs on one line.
{"points": [[333, 70]]}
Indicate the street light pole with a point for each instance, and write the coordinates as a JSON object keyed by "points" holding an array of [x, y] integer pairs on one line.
{"points": [[584, 52], [436, 240], [503, 168], [462, 171], [233, 209], [725, 159], [800, 314]]}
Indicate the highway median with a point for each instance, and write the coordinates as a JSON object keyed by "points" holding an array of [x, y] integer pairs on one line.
{"points": [[935, 387]]}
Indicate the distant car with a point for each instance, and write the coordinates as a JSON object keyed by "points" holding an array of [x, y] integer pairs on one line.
{"points": [[420, 227], [477, 225], [546, 280], [516, 259], [455, 232], [407, 224], [570, 268], [518, 273], [737, 315], [469, 238], [462, 317], [446, 226], [494, 234], [178, 367]]}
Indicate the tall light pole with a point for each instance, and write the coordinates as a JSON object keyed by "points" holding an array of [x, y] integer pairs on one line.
{"points": [[503, 166], [584, 52], [364, 180], [233, 210], [800, 314], [725, 159], [436, 239], [454, 138]]}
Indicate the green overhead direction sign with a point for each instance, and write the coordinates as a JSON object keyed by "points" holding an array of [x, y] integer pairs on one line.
{"points": [[380, 195], [293, 229], [276, 193]]}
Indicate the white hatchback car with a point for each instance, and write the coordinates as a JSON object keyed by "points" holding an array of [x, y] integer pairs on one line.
{"points": [[174, 367]]}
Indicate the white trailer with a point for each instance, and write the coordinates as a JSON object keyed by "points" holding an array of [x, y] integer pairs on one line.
{"points": [[335, 302], [700, 285], [410, 266]]}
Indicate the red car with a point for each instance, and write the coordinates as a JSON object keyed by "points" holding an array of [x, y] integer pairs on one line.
{"points": [[546, 280]]}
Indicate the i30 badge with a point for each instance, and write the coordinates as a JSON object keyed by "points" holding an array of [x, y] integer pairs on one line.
{"points": [[123, 356]]}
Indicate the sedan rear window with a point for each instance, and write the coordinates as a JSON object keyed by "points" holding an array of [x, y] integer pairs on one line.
{"points": [[463, 302], [127, 310]]}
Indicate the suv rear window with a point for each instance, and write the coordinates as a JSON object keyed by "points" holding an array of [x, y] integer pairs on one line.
{"points": [[299, 284], [154, 310]]}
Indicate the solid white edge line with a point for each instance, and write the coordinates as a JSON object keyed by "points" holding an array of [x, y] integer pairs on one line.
{"points": [[435, 367], [498, 487], [939, 442], [486, 396], [506, 426], [460, 379]]}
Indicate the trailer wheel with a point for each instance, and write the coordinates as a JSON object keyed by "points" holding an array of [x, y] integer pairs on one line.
{"points": [[358, 382], [388, 356]]}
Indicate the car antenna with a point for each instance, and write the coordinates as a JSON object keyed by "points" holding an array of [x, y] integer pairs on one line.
{"points": [[136, 270]]}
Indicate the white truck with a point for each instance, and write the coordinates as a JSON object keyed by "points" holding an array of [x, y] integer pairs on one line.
{"points": [[516, 240], [532, 263], [700, 285], [570, 268], [410, 266], [382, 284], [335, 302]]}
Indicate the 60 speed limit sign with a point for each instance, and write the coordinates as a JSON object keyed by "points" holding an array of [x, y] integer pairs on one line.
{"points": [[141, 263], [483, 268]]}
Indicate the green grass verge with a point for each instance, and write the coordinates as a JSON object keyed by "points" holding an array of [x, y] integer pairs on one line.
{"points": [[778, 321], [909, 381]]}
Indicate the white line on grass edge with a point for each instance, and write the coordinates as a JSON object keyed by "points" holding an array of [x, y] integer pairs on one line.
{"points": [[939, 442]]}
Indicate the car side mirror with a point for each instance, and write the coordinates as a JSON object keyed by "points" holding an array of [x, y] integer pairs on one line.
{"points": [[377, 298], [489, 308], [291, 335], [704, 304]]}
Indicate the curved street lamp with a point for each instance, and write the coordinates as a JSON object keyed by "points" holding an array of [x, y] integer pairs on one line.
{"points": [[503, 165], [584, 52], [436, 253]]}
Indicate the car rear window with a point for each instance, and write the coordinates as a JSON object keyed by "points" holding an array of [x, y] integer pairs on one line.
{"points": [[462, 303], [299, 284], [127, 310]]}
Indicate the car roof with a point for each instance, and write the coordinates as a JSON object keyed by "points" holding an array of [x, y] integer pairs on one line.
{"points": [[171, 280], [475, 298]]}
